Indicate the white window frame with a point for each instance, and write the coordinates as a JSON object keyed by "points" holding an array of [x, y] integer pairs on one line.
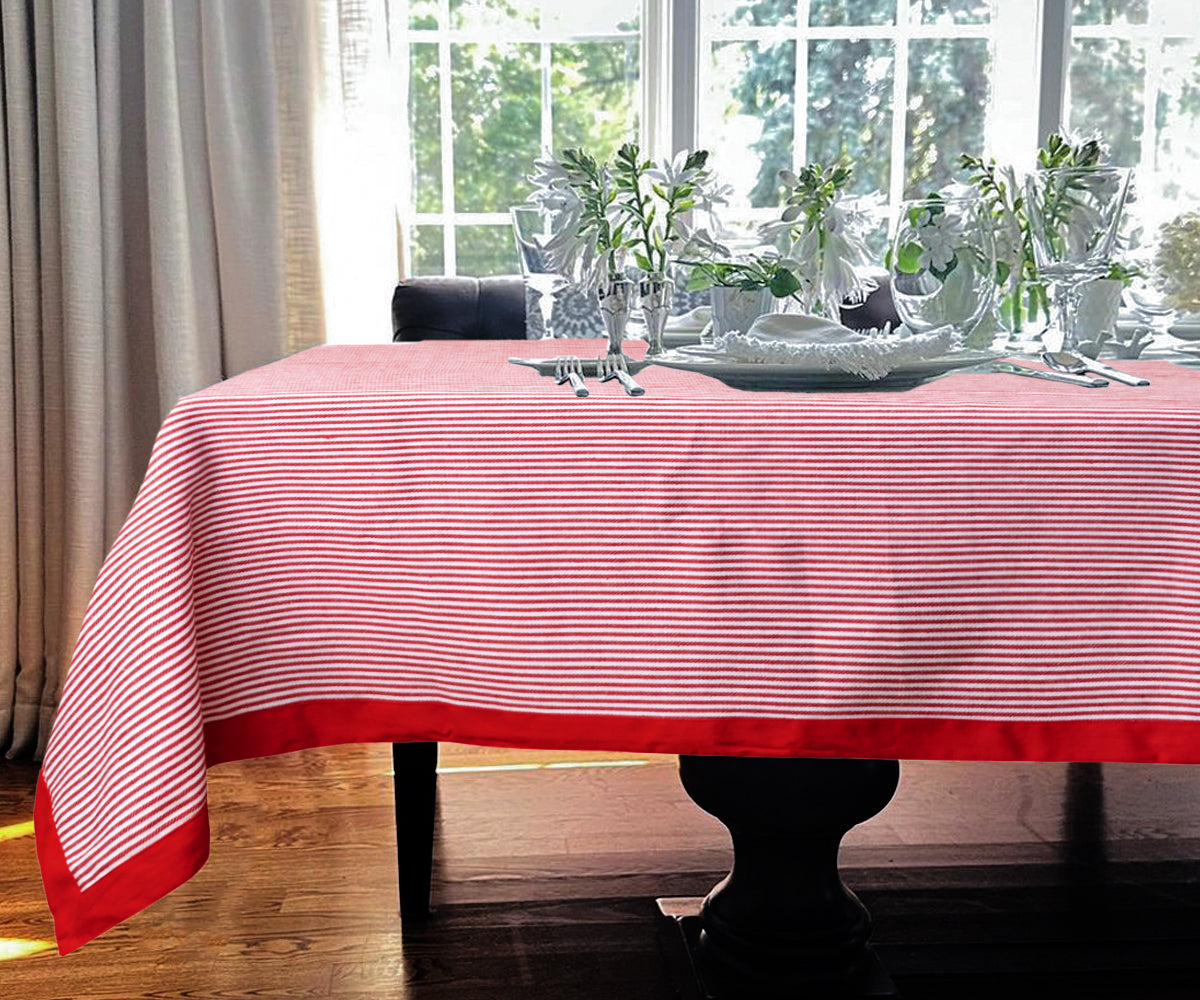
{"points": [[444, 37], [1032, 44]]}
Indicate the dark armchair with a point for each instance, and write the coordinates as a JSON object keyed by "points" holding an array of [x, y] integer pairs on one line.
{"points": [[494, 309]]}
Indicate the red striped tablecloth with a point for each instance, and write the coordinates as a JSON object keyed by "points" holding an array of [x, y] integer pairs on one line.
{"points": [[421, 542]]}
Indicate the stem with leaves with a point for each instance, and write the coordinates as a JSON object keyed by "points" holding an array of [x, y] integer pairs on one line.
{"points": [[598, 193], [655, 199]]}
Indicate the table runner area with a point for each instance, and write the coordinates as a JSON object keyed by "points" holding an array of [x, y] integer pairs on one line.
{"points": [[421, 542]]}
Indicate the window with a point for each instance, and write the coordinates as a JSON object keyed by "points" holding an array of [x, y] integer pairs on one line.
{"points": [[1135, 75], [901, 86], [492, 83]]}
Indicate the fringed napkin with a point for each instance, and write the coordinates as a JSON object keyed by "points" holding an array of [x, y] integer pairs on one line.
{"points": [[790, 338]]}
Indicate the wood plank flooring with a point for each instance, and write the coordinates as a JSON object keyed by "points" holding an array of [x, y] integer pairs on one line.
{"points": [[985, 880]]}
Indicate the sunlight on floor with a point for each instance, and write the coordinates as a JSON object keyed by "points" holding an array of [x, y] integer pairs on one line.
{"points": [[554, 766], [11, 948], [16, 830]]}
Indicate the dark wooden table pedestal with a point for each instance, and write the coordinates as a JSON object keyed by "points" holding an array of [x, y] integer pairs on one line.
{"points": [[781, 923]]}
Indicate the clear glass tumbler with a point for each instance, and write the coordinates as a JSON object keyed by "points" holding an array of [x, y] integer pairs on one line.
{"points": [[536, 228], [943, 264]]}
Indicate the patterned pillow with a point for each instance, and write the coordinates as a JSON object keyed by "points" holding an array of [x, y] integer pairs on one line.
{"points": [[577, 312]]}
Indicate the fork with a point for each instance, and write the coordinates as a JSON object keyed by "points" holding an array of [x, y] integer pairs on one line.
{"points": [[610, 366], [570, 367]]}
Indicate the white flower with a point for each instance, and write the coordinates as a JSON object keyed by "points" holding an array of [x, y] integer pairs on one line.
{"points": [[939, 237]]}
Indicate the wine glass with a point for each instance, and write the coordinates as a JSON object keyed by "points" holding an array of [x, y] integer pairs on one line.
{"points": [[536, 227], [1073, 214], [943, 264]]}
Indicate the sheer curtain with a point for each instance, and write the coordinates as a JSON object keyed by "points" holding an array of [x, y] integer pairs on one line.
{"points": [[165, 182]]}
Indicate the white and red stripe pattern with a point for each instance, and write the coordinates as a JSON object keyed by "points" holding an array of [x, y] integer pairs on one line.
{"points": [[423, 542]]}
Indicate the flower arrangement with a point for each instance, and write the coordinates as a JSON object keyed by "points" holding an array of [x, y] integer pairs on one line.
{"points": [[630, 209], [824, 235], [1026, 296], [1178, 261], [589, 240]]}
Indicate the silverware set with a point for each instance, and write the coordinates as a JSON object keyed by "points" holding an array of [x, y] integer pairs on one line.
{"points": [[1067, 367], [573, 369]]}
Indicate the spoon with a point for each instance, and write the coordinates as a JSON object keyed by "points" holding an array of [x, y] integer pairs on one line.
{"points": [[1063, 361]]}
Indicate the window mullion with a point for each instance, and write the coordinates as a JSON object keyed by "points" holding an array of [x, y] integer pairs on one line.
{"points": [[1154, 56], [655, 78], [446, 129], [547, 133], [684, 63], [800, 96], [1055, 37], [1012, 122], [899, 109]]}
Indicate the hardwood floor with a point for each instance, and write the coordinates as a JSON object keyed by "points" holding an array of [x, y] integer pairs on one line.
{"points": [[985, 880]]}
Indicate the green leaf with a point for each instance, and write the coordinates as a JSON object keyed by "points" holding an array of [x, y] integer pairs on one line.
{"points": [[909, 261], [942, 273], [643, 261], [783, 283]]}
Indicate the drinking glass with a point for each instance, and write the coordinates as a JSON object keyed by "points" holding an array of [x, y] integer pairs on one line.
{"points": [[1150, 305], [943, 264], [1074, 213], [536, 227]]}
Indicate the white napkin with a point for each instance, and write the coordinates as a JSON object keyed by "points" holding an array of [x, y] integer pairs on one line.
{"points": [[696, 319], [799, 338]]}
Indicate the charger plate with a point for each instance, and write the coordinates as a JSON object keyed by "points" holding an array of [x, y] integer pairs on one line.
{"points": [[774, 377]]}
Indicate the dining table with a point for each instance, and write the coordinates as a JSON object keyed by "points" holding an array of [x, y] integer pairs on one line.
{"points": [[793, 590]]}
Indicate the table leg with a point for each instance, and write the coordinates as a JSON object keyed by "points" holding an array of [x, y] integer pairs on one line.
{"points": [[414, 768], [782, 923]]}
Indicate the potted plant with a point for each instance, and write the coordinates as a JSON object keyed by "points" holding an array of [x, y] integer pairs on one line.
{"points": [[823, 232], [742, 290]]}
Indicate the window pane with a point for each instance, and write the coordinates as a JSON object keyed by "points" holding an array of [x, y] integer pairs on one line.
{"points": [[947, 107], [571, 17], [497, 124], [427, 254], [1107, 80], [756, 13], [1112, 11], [502, 14], [485, 250], [425, 121], [423, 13], [850, 107], [823, 13], [1177, 150], [594, 95], [950, 11], [748, 117]]}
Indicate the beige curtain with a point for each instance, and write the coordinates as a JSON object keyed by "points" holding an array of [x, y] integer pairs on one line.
{"points": [[160, 214]]}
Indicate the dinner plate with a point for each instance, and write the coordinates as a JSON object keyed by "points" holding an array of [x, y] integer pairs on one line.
{"points": [[800, 376]]}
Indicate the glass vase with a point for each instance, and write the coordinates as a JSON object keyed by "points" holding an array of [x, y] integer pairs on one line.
{"points": [[656, 292], [616, 303]]}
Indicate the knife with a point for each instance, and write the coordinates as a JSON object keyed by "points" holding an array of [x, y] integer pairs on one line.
{"points": [[1100, 368], [1012, 369]]}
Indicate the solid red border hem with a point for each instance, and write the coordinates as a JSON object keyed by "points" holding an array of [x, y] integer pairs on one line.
{"points": [[285, 728], [82, 914]]}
